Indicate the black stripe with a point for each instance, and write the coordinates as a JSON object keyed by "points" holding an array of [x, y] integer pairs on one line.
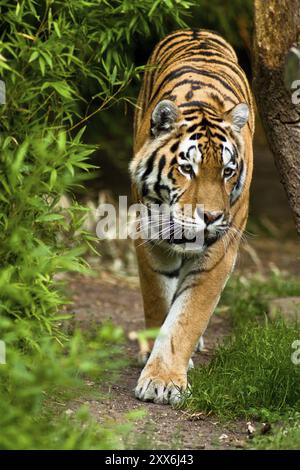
{"points": [[154, 200], [190, 111], [174, 273], [166, 95], [195, 34], [196, 50], [199, 104], [193, 128], [158, 50], [186, 69], [149, 165], [161, 164], [183, 156], [195, 136], [212, 119], [182, 290], [169, 274], [233, 67], [188, 81], [154, 74], [161, 187], [201, 39], [223, 43], [189, 95], [157, 187], [176, 196], [237, 186], [167, 39], [195, 272], [174, 147], [144, 190], [164, 58], [158, 56], [203, 108], [222, 137], [170, 175], [188, 56], [191, 118]]}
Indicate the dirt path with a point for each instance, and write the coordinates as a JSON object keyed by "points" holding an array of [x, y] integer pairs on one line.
{"points": [[111, 298]]}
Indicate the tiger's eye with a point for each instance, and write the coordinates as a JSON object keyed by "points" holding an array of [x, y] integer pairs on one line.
{"points": [[228, 172], [187, 168]]}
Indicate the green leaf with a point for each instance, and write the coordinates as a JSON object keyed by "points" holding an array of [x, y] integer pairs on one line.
{"points": [[53, 178], [33, 56], [49, 218], [42, 65], [56, 28], [62, 88]]}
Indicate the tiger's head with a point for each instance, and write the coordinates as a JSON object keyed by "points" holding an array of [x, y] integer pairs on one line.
{"points": [[193, 157]]}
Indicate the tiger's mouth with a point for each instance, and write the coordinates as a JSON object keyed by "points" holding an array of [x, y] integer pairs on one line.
{"points": [[166, 228], [205, 240], [189, 237]]}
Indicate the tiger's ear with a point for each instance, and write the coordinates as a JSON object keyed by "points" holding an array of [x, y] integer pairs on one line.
{"points": [[163, 117], [238, 116]]}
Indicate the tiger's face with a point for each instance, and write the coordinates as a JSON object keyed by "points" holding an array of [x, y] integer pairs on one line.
{"points": [[192, 163]]}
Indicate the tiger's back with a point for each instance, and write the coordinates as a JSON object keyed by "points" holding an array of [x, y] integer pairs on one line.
{"points": [[190, 66]]}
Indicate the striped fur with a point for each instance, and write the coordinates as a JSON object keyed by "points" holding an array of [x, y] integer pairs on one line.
{"points": [[193, 133]]}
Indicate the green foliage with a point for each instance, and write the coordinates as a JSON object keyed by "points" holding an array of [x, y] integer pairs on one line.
{"points": [[247, 298], [32, 383], [62, 61], [284, 438], [60, 58], [252, 374], [34, 229]]}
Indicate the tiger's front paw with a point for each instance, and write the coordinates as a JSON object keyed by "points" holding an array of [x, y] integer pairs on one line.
{"points": [[164, 389]]}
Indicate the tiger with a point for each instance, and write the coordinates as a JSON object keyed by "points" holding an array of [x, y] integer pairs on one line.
{"points": [[193, 133]]}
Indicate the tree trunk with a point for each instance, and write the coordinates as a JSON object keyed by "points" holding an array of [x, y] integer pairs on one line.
{"points": [[277, 88]]}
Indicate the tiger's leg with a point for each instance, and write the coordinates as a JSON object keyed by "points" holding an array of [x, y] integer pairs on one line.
{"points": [[165, 373], [158, 287]]}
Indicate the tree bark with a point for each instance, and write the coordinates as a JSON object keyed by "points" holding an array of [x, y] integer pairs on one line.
{"points": [[277, 36]]}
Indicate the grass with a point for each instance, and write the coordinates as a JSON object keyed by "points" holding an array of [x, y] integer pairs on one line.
{"points": [[247, 298], [285, 438], [252, 375]]}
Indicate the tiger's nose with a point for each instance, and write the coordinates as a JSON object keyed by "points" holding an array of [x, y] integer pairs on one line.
{"points": [[211, 217]]}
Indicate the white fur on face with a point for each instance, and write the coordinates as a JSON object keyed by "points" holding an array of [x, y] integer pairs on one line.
{"points": [[227, 152], [192, 155]]}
